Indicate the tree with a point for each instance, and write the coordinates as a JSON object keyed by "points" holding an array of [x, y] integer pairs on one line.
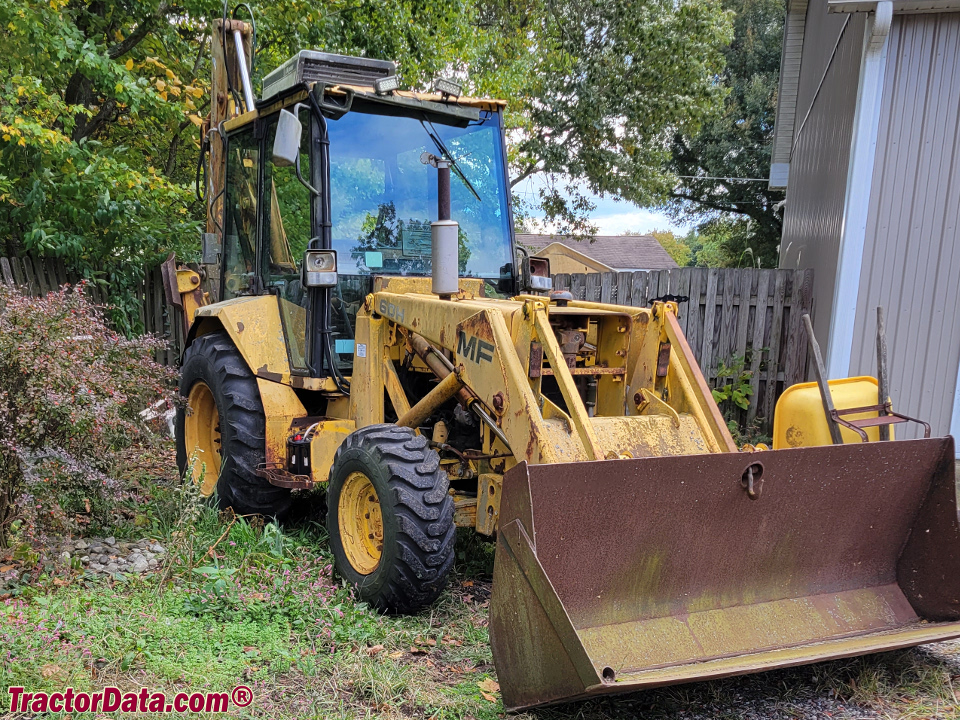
{"points": [[675, 247], [736, 144], [100, 101], [596, 87], [99, 108], [89, 116]]}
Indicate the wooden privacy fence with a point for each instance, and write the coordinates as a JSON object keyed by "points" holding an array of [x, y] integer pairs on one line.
{"points": [[39, 276], [732, 313]]}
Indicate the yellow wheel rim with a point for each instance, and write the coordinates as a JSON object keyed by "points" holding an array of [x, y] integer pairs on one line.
{"points": [[361, 523], [202, 437]]}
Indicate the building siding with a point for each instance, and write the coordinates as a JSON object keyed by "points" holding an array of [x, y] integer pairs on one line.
{"points": [[911, 263], [813, 217], [789, 86]]}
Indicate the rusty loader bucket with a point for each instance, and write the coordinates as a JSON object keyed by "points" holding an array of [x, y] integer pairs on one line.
{"points": [[618, 575]]}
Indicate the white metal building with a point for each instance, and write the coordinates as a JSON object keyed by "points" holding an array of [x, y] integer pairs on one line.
{"points": [[868, 147]]}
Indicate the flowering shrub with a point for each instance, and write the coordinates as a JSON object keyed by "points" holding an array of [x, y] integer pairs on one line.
{"points": [[71, 391]]}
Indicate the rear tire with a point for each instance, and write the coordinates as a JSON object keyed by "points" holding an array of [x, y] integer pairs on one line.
{"points": [[390, 518], [215, 378]]}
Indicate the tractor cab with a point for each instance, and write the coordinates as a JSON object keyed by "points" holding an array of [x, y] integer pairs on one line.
{"points": [[328, 166]]}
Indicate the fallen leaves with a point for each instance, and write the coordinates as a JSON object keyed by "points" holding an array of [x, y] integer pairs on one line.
{"points": [[375, 650], [50, 670], [490, 685], [487, 688]]}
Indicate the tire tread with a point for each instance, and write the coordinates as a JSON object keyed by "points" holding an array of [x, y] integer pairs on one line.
{"points": [[423, 509], [214, 359]]}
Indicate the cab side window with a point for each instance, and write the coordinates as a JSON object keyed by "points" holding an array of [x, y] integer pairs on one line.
{"points": [[240, 215], [286, 234]]}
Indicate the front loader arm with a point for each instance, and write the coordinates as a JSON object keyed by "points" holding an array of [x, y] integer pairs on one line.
{"points": [[499, 348], [477, 333]]}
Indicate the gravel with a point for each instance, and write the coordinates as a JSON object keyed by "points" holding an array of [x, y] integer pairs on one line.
{"points": [[109, 556]]}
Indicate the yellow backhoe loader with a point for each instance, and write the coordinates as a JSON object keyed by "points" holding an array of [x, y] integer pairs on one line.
{"points": [[375, 331]]}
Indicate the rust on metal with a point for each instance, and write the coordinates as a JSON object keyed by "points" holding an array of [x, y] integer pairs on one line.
{"points": [[535, 367], [663, 360], [275, 474], [851, 549], [168, 273], [885, 417]]}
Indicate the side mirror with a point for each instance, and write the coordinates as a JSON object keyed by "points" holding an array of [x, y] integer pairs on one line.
{"points": [[507, 283], [286, 143]]}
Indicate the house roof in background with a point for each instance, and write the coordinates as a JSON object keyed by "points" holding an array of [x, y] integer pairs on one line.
{"points": [[618, 252]]}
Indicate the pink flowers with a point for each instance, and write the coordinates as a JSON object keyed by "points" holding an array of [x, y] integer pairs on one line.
{"points": [[72, 389]]}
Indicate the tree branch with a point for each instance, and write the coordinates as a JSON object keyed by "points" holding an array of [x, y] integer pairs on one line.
{"points": [[531, 169], [105, 111], [757, 212], [174, 148], [134, 38], [721, 207]]}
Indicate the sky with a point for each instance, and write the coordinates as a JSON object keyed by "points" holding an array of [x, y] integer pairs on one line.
{"points": [[611, 216]]}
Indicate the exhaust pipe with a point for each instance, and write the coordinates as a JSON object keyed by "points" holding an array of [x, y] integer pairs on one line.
{"points": [[444, 234]]}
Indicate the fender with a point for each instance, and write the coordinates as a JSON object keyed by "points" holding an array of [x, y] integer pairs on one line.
{"points": [[253, 324]]}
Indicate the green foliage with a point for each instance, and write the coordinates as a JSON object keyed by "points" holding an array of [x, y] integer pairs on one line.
{"points": [[733, 384], [680, 251], [724, 242], [90, 120], [737, 216], [749, 433], [240, 602], [100, 104], [594, 87], [309, 651]]}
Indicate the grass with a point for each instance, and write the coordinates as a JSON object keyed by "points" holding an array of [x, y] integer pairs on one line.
{"points": [[263, 609]]}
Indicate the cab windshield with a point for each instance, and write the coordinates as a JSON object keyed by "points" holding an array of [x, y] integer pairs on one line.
{"points": [[383, 198], [382, 201]]}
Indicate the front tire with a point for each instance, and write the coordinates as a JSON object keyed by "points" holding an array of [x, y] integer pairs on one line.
{"points": [[222, 424], [390, 518]]}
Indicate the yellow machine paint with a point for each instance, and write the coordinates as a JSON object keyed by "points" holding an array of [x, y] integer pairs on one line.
{"points": [[494, 338], [203, 434], [636, 545]]}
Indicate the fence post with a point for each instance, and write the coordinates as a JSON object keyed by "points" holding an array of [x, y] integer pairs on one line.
{"points": [[756, 343]]}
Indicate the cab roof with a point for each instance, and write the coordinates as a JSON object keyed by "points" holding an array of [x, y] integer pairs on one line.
{"points": [[408, 98]]}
